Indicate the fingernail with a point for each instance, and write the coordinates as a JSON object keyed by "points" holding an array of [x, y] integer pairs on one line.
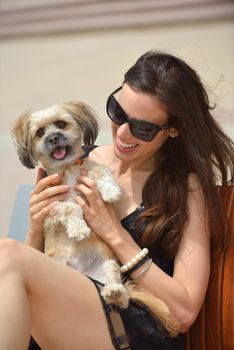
{"points": [[55, 176]]}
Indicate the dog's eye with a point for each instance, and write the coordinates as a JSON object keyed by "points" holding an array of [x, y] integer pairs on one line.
{"points": [[60, 124], [40, 132]]}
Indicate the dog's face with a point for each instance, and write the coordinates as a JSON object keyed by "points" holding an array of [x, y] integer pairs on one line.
{"points": [[54, 136]]}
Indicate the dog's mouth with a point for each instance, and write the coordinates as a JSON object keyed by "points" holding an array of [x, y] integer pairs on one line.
{"points": [[60, 152]]}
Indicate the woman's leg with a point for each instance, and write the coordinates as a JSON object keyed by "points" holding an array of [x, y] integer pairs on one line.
{"points": [[14, 306], [62, 305]]}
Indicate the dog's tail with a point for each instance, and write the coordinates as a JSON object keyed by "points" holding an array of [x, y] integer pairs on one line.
{"points": [[157, 307]]}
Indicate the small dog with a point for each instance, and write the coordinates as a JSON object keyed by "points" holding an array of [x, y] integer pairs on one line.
{"points": [[54, 137]]}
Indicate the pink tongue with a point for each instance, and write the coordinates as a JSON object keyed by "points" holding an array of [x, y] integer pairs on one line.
{"points": [[59, 153]]}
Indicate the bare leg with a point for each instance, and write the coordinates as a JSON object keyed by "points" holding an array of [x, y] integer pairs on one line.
{"points": [[66, 311], [14, 307]]}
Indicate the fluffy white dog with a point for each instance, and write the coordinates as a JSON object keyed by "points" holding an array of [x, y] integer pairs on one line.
{"points": [[53, 138]]}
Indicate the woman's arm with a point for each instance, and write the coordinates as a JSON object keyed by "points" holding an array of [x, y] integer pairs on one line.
{"points": [[185, 291], [46, 193]]}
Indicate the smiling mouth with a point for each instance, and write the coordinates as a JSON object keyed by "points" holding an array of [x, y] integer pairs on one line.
{"points": [[60, 152]]}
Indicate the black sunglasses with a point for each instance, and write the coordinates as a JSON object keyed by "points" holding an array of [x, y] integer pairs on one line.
{"points": [[141, 129]]}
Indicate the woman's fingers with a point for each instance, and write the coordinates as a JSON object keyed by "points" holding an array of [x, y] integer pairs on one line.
{"points": [[37, 207], [48, 181], [89, 212], [39, 216], [89, 198], [87, 192], [88, 188], [46, 194], [49, 192]]}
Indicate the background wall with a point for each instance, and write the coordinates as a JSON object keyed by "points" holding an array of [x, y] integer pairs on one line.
{"points": [[38, 71]]}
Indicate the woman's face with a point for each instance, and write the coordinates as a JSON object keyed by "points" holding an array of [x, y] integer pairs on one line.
{"points": [[141, 106]]}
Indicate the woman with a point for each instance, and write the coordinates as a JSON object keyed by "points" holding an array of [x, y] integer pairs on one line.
{"points": [[167, 154]]}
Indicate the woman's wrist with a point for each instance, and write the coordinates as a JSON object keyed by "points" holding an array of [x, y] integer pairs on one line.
{"points": [[124, 246], [119, 238], [35, 239], [116, 241]]}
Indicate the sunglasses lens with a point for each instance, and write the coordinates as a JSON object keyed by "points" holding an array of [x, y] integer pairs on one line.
{"points": [[115, 112], [143, 130]]}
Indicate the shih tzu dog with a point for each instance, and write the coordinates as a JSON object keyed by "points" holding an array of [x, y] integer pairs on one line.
{"points": [[53, 138]]}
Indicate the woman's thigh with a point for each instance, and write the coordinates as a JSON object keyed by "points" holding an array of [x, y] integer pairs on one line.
{"points": [[66, 311]]}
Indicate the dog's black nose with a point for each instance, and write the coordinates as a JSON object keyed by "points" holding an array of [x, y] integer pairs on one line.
{"points": [[54, 139]]}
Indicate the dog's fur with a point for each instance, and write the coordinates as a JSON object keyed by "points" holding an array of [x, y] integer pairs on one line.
{"points": [[53, 137]]}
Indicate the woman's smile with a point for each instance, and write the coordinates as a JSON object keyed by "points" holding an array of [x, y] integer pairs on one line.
{"points": [[125, 147]]}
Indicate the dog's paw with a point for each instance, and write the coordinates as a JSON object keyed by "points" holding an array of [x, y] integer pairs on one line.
{"points": [[111, 194], [115, 294], [77, 229], [82, 235]]}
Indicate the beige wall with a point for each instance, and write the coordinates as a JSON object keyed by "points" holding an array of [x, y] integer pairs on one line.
{"points": [[38, 72]]}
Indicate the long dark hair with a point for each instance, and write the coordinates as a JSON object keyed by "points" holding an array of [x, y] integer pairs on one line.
{"points": [[201, 148]]}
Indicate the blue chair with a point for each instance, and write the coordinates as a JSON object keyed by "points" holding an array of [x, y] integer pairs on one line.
{"points": [[18, 226]]}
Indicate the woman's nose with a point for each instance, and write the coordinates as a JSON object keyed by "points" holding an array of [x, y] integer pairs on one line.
{"points": [[123, 130]]}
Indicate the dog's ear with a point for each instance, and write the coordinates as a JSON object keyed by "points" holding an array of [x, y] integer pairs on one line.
{"points": [[22, 139], [86, 119]]}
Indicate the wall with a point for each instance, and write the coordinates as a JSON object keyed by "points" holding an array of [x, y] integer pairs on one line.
{"points": [[44, 70]]}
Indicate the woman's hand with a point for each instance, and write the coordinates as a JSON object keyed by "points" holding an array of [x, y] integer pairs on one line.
{"points": [[100, 216], [45, 195]]}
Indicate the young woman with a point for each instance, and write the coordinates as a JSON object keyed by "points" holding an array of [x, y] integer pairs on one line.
{"points": [[167, 155]]}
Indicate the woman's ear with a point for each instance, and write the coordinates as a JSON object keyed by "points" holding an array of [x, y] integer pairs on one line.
{"points": [[173, 132]]}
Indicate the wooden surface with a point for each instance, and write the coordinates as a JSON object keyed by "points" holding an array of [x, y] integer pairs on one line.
{"points": [[214, 327]]}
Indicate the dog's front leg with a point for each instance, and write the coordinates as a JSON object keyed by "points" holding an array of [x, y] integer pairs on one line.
{"points": [[114, 291], [51, 227], [108, 188], [70, 215]]}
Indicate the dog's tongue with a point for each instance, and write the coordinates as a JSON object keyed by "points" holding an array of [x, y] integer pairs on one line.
{"points": [[59, 153]]}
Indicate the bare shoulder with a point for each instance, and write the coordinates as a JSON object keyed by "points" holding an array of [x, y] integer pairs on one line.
{"points": [[194, 183], [102, 155], [195, 192], [197, 228]]}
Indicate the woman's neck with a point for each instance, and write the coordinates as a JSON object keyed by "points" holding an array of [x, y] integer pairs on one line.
{"points": [[105, 155], [125, 167]]}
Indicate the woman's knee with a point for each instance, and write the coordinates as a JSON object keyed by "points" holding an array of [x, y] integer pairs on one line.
{"points": [[10, 252]]}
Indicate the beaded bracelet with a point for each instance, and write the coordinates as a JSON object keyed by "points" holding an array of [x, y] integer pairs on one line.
{"points": [[131, 265], [134, 268], [143, 271]]}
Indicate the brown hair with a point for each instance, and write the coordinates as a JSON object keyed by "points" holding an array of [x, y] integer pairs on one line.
{"points": [[201, 148]]}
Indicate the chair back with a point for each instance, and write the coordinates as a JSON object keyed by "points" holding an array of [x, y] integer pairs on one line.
{"points": [[214, 326]]}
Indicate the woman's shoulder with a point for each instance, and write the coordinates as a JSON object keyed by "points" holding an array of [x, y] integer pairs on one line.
{"points": [[101, 154], [195, 190], [194, 183]]}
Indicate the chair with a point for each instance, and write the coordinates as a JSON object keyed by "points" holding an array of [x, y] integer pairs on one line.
{"points": [[20, 214], [214, 326]]}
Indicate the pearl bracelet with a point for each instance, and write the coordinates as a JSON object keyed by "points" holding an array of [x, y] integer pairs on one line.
{"points": [[136, 267], [134, 261]]}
